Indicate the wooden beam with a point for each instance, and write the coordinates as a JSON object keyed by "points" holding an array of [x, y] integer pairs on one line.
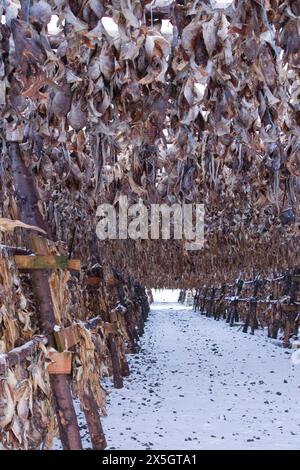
{"points": [[46, 262]]}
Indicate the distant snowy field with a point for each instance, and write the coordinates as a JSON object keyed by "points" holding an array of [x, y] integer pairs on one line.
{"points": [[165, 295], [199, 384]]}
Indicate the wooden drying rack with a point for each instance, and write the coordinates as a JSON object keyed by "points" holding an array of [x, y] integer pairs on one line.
{"points": [[209, 299], [61, 340]]}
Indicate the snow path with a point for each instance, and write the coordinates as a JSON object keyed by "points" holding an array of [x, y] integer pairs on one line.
{"points": [[199, 384]]}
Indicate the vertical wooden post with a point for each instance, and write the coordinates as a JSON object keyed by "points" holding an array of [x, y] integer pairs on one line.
{"points": [[124, 367], [205, 301], [202, 300], [199, 299], [195, 300], [211, 303], [216, 302], [219, 310], [275, 323], [117, 374], [122, 299], [290, 316], [294, 294], [60, 384], [252, 308], [234, 316], [229, 311], [133, 337], [65, 412], [223, 312]]}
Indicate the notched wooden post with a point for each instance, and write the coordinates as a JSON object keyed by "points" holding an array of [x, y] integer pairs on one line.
{"points": [[60, 383]]}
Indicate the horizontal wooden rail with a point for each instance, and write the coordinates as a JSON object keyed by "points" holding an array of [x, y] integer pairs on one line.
{"points": [[261, 301], [250, 299]]}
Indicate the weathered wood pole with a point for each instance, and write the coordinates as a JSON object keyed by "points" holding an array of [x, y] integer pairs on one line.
{"points": [[252, 308], [117, 374], [124, 366], [203, 303], [60, 384], [131, 331], [196, 297], [234, 315]]}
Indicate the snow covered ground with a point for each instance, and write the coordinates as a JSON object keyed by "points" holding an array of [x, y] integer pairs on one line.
{"points": [[199, 384]]}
